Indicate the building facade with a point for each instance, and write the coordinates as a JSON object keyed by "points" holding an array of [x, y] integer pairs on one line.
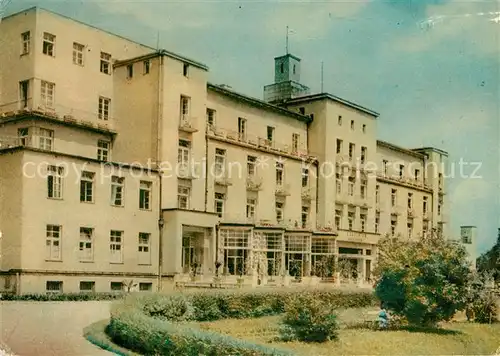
{"points": [[208, 180]]}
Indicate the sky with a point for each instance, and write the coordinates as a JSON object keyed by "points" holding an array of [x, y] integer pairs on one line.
{"points": [[429, 67]]}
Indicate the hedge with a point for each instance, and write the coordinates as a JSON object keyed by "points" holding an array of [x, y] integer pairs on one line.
{"points": [[63, 297], [161, 324]]}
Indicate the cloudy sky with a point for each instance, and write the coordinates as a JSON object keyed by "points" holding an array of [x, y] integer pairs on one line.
{"points": [[430, 67]]}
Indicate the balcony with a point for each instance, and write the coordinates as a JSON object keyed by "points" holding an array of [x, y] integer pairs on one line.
{"points": [[397, 210], [426, 215], [282, 189], [185, 171], [188, 124], [308, 193], [254, 183], [328, 228], [403, 181], [260, 143], [411, 213], [58, 113], [222, 178]]}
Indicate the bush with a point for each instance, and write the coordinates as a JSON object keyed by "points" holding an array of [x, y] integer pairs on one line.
{"points": [[423, 280], [143, 324], [482, 299], [309, 320]]}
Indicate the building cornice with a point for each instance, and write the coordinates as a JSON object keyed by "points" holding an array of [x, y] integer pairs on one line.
{"points": [[81, 158], [258, 103], [327, 96], [424, 150], [401, 149], [158, 53]]}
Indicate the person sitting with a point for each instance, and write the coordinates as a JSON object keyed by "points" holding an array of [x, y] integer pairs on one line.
{"points": [[383, 317]]}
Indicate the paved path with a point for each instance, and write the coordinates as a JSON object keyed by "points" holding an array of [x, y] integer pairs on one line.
{"points": [[50, 328]]}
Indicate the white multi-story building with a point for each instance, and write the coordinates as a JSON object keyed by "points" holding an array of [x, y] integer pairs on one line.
{"points": [[128, 150]]}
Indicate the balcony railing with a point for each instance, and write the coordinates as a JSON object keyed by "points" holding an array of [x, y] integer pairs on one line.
{"points": [[308, 193], [11, 142], [411, 213], [413, 183], [222, 178], [188, 124], [259, 142], [185, 171], [254, 183], [57, 112], [283, 189]]}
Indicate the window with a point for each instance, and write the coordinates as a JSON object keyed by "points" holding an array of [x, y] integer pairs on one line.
{"points": [[117, 184], [145, 287], [338, 183], [242, 128], [338, 217], [49, 43], [409, 226], [401, 170], [279, 173], [362, 218], [377, 194], [130, 71], [54, 182], [393, 197], [87, 286], [282, 68], [364, 128], [78, 53], [424, 205], [440, 180], [339, 120], [363, 188], [144, 248], [46, 138], [385, 165], [210, 118], [105, 63], [439, 209], [295, 142], [103, 150], [270, 134], [417, 174], [145, 67], [183, 195], [279, 211], [86, 244], [53, 242], [47, 94], [185, 69], [305, 217], [425, 227], [236, 245], [115, 246], [184, 107], [219, 204], [363, 155], [351, 216], [350, 187], [87, 187], [220, 162], [24, 93], [352, 147], [104, 104], [116, 286], [25, 42], [251, 204], [394, 224], [54, 287], [339, 146], [352, 124], [410, 200], [183, 153], [377, 222], [294, 68], [305, 177], [145, 195], [251, 166]]}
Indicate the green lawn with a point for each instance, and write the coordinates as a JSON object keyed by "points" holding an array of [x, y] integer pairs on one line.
{"points": [[455, 338]]}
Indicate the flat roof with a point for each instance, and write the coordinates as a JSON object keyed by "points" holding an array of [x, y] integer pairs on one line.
{"points": [[430, 149], [258, 103], [400, 149], [322, 96], [157, 53], [163, 51], [82, 158]]}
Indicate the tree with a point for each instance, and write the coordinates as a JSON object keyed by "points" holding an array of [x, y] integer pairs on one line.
{"points": [[490, 261], [424, 280]]}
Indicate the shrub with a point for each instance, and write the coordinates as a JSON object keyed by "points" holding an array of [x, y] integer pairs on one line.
{"points": [[424, 280], [482, 299], [141, 323], [309, 320]]}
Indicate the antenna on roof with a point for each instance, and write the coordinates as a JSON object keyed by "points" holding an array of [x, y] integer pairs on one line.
{"points": [[322, 76], [158, 41]]}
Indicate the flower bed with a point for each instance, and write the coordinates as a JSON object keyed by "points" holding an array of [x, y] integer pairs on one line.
{"points": [[160, 323]]}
